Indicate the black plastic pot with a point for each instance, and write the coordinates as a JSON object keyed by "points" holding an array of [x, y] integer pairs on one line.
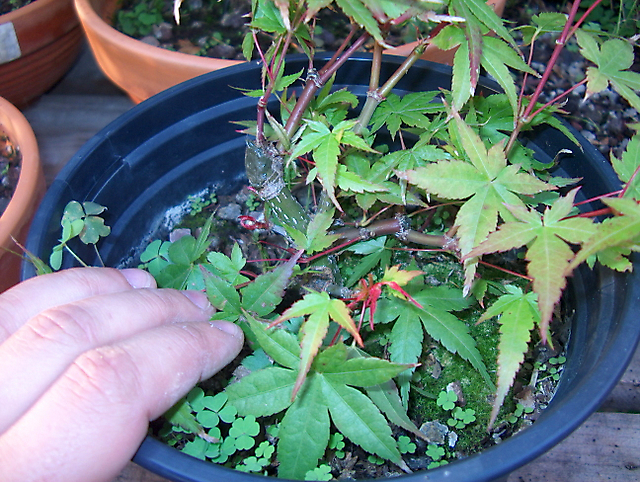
{"points": [[182, 141]]}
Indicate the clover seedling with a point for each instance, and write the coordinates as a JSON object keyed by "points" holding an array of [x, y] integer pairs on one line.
{"points": [[81, 221], [447, 399], [460, 418], [405, 445], [323, 472], [336, 442], [243, 430], [436, 453]]}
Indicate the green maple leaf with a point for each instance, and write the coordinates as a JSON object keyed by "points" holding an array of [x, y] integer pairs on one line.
{"points": [[409, 110], [304, 431], [547, 237], [325, 143], [614, 237], [613, 59], [628, 166], [434, 318], [477, 48], [517, 314], [486, 182], [318, 309]]}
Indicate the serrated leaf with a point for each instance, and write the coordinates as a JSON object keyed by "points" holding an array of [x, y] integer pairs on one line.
{"points": [[387, 399], [357, 11], [279, 344], [405, 346], [517, 317], [627, 168], [221, 293], [304, 432], [358, 371], [612, 58], [318, 309], [461, 87], [262, 393], [620, 231], [318, 237], [266, 291], [450, 332], [548, 252], [355, 415]]}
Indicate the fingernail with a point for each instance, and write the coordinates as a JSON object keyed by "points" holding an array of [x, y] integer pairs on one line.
{"points": [[138, 278], [230, 328], [198, 298]]}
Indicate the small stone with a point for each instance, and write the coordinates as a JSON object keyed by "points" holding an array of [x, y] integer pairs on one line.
{"points": [[230, 212], [150, 40], [163, 31], [456, 388], [176, 234], [434, 432]]}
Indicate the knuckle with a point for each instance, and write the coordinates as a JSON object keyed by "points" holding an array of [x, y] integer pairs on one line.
{"points": [[64, 325], [105, 376]]}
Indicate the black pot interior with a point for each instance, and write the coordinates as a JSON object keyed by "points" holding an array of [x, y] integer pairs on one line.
{"points": [[183, 141]]}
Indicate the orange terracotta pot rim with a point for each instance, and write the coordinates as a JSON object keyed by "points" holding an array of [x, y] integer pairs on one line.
{"points": [[90, 17], [27, 10], [103, 29], [16, 125]]}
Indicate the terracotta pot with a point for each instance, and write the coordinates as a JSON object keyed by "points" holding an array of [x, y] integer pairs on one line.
{"points": [[143, 70], [139, 69], [38, 45], [31, 186]]}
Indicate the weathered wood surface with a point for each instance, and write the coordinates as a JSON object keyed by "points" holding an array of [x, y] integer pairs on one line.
{"points": [[606, 447]]}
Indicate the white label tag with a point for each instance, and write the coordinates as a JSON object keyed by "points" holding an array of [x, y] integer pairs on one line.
{"points": [[9, 46]]}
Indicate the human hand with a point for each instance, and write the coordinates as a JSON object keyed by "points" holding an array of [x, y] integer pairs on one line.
{"points": [[88, 357]]}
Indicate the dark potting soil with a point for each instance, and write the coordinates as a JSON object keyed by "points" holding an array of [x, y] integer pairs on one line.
{"points": [[9, 170]]}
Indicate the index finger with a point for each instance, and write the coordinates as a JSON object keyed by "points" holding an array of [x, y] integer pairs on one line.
{"points": [[27, 299]]}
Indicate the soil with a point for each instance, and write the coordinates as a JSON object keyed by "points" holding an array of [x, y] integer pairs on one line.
{"points": [[9, 170], [7, 6]]}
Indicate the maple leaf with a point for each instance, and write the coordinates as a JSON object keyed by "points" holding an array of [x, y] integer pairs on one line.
{"points": [[304, 431], [486, 182], [614, 236], [612, 58], [548, 253], [517, 314], [476, 48], [409, 110], [319, 309], [628, 166], [433, 317], [325, 143]]}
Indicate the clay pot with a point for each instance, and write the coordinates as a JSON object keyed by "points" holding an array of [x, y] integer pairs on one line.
{"points": [[40, 42], [143, 70], [31, 186]]}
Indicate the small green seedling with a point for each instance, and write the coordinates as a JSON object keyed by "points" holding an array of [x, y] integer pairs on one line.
{"points": [[374, 459], [81, 221], [405, 445], [436, 454], [336, 442], [447, 399], [199, 203], [520, 410], [460, 418], [323, 472]]}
